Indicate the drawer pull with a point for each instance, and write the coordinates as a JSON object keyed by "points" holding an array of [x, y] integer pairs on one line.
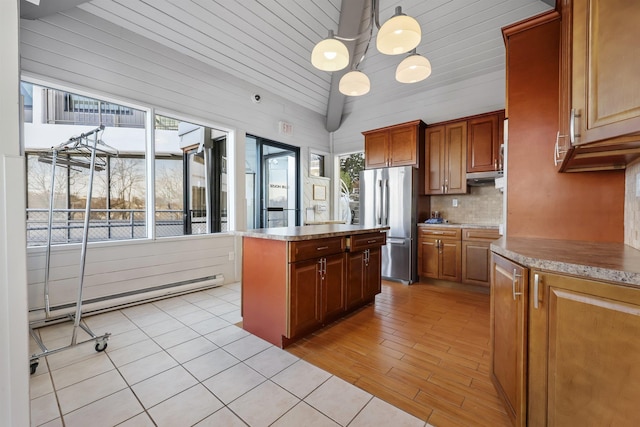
{"points": [[322, 248], [371, 241]]}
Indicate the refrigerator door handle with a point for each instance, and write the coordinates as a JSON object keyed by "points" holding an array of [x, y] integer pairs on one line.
{"points": [[379, 213], [386, 202]]}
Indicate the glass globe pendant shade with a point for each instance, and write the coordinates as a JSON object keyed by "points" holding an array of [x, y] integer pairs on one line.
{"points": [[400, 34], [413, 68], [354, 83], [330, 54]]}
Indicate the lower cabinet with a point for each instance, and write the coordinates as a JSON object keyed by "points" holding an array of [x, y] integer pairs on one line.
{"points": [[476, 255], [363, 276], [317, 293], [584, 352], [564, 350], [508, 334], [439, 253]]}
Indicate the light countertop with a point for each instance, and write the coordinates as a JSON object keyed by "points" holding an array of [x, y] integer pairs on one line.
{"points": [[452, 225], [309, 232], [614, 262]]}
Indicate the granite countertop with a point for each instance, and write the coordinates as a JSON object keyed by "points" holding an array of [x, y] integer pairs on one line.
{"points": [[613, 262], [309, 232], [453, 225]]}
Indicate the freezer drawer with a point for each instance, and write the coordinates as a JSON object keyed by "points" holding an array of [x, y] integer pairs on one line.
{"points": [[397, 260]]}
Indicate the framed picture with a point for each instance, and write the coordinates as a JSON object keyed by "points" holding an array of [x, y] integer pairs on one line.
{"points": [[319, 192]]}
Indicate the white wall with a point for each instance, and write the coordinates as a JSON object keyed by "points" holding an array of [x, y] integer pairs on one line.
{"points": [[80, 51], [14, 365]]}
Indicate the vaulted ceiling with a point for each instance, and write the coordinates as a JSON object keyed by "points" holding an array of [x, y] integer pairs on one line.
{"points": [[268, 43]]}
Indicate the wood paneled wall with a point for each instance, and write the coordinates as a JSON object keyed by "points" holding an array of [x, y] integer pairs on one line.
{"points": [[541, 202]]}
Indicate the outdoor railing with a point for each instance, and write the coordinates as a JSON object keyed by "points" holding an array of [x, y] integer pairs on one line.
{"points": [[106, 224]]}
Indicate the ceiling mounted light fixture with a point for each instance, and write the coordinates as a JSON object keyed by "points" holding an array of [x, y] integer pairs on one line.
{"points": [[413, 68], [400, 34], [330, 54]]}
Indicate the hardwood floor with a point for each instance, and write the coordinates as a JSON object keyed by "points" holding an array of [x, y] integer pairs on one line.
{"points": [[422, 348]]}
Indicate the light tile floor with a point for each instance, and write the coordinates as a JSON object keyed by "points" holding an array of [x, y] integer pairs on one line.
{"points": [[181, 361]]}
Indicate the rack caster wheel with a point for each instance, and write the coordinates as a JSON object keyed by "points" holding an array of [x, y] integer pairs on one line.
{"points": [[34, 366], [101, 346]]}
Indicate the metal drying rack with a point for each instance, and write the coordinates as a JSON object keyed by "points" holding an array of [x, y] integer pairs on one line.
{"points": [[79, 152]]}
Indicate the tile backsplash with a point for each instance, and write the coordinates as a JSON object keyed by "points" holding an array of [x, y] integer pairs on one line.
{"points": [[632, 206], [482, 205]]}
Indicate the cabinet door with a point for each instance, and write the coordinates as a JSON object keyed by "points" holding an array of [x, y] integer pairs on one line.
{"points": [[376, 150], [605, 61], [428, 257], [450, 265], [476, 257], [455, 175], [372, 278], [403, 146], [355, 279], [333, 291], [508, 326], [434, 160], [483, 144], [305, 311], [584, 352]]}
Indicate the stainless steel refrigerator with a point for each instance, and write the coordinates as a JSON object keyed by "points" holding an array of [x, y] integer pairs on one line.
{"points": [[388, 197]]}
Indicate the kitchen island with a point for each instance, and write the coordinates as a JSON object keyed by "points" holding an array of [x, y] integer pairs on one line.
{"points": [[298, 279]]}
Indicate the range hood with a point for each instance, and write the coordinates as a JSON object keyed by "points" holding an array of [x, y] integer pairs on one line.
{"points": [[483, 178]]}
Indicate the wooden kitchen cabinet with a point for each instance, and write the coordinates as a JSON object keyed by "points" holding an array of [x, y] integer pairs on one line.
{"points": [[439, 253], [398, 145], [317, 288], [364, 266], [484, 137], [583, 352], [446, 159], [508, 336], [476, 255], [599, 85]]}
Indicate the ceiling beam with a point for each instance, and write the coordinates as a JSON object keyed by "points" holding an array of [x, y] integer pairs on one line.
{"points": [[351, 13], [39, 9]]}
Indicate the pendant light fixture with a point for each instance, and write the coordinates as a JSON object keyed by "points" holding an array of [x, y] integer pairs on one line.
{"points": [[400, 34], [413, 68], [330, 54]]}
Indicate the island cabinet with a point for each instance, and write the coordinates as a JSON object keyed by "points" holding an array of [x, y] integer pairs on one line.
{"points": [[439, 253], [296, 280], [600, 91], [364, 266], [317, 284], [446, 159], [398, 145]]}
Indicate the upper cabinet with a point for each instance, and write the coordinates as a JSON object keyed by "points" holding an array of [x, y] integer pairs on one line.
{"points": [[446, 159], [484, 137], [398, 145], [599, 84]]}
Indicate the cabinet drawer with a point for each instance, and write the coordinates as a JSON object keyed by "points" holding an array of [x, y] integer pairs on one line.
{"points": [[480, 234], [316, 248], [361, 242], [441, 232]]}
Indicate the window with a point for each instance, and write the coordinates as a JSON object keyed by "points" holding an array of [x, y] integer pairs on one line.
{"points": [[190, 173], [350, 167], [191, 178]]}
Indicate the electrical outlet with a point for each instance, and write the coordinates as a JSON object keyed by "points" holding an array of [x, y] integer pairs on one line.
{"points": [[232, 256], [455, 203]]}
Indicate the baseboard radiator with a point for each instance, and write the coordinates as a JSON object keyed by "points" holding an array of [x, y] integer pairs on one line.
{"points": [[60, 313]]}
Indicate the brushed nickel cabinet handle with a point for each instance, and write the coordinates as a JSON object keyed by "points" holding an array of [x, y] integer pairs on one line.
{"points": [[536, 284], [572, 126], [322, 248], [516, 276]]}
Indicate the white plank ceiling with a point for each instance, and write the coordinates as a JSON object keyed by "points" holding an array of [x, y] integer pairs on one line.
{"points": [[268, 43]]}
